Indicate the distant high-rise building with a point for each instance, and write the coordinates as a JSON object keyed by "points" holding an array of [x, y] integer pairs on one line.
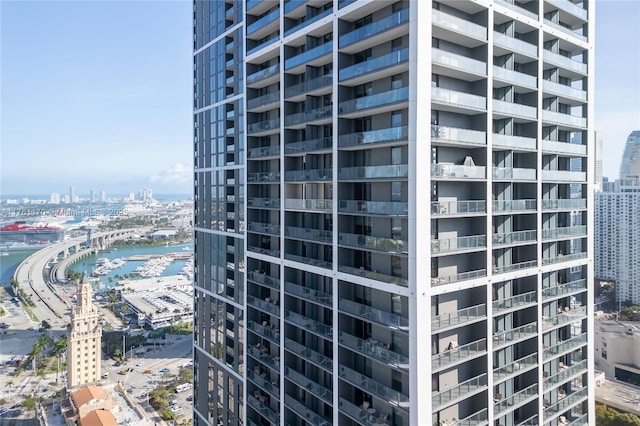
{"points": [[84, 337], [630, 164], [54, 198], [66, 199], [103, 196], [131, 197], [341, 281], [91, 196], [73, 197]]}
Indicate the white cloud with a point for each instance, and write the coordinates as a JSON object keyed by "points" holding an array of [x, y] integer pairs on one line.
{"points": [[178, 173]]}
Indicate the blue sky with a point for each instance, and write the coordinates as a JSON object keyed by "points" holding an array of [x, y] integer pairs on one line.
{"points": [[97, 94]]}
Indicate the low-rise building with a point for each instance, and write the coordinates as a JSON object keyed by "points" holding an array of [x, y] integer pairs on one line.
{"points": [[617, 349]]}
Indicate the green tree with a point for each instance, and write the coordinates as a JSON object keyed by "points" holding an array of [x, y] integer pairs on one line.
{"points": [[44, 325], [30, 403], [167, 414], [185, 375]]}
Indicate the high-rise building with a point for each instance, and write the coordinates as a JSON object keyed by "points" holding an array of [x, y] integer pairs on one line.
{"points": [[73, 197], [630, 163], [84, 337], [341, 281], [54, 198], [92, 197], [103, 196]]}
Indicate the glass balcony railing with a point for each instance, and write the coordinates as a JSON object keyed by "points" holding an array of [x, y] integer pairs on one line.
{"points": [[564, 175], [463, 276], [387, 319], [564, 147], [367, 417], [564, 232], [263, 278], [308, 175], [515, 45], [514, 77], [291, 5], [462, 316], [264, 21], [370, 385], [514, 237], [514, 142], [391, 171], [515, 267], [583, 420], [309, 385], [519, 301], [459, 62], [392, 208], [308, 354], [252, 3], [311, 234], [309, 55], [264, 126], [505, 338], [308, 204], [263, 409], [513, 173], [374, 101], [566, 402], [460, 99], [565, 374], [570, 8], [322, 113], [575, 314], [266, 306], [564, 90], [439, 170], [531, 421], [564, 289], [568, 345], [271, 388], [563, 258], [564, 119], [307, 293], [269, 203], [362, 272], [309, 260], [374, 64], [514, 367], [458, 135], [386, 245], [448, 245], [262, 44], [261, 101], [564, 62], [514, 109], [374, 28], [374, 349], [309, 86], [511, 4], [261, 353], [451, 208], [567, 30], [519, 398], [263, 74], [267, 330], [514, 205], [264, 228], [459, 353], [308, 21], [476, 419], [264, 151], [308, 323], [443, 398], [390, 134], [308, 146], [458, 25], [263, 177]]}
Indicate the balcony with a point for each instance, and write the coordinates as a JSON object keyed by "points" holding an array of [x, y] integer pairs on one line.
{"points": [[368, 242], [463, 136], [361, 272], [462, 316], [308, 324], [368, 313], [571, 315], [564, 62], [374, 349], [263, 128], [567, 346], [308, 260], [564, 90], [448, 97], [309, 87], [309, 415], [515, 45], [385, 208], [265, 76], [565, 204], [564, 119], [311, 145], [516, 400], [464, 389], [447, 59], [512, 173], [388, 61], [263, 383], [565, 403], [309, 234], [262, 44], [458, 208], [373, 387], [564, 232], [479, 418], [563, 290], [463, 276], [570, 8], [308, 175], [264, 102], [505, 338], [310, 57], [261, 353], [261, 25], [391, 171], [514, 206], [264, 151], [515, 367], [566, 29], [515, 267], [565, 374], [511, 4], [308, 354], [563, 176], [458, 25], [263, 228], [263, 177], [512, 109], [264, 330], [263, 409], [309, 385], [268, 306], [266, 203], [374, 104], [378, 30], [520, 301], [264, 279], [563, 258], [564, 148], [450, 245], [309, 294], [371, 137], [514, 238], [318, 205], [459, 354], [308, 22], [367, 417], [514, 77], [456, 171], [291, 5], [300, 119]]}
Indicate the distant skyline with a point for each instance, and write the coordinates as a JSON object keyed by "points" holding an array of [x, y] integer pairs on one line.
{"points": [[97, 94]]}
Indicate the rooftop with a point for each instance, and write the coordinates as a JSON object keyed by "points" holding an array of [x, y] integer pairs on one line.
{"points": [[99, 418], [87, 394], [619, 395]]}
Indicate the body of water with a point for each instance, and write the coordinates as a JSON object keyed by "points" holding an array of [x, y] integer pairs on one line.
{"points": [[10, 262]]}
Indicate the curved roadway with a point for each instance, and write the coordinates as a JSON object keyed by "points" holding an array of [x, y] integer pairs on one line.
{"points": [[50, 305]]}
